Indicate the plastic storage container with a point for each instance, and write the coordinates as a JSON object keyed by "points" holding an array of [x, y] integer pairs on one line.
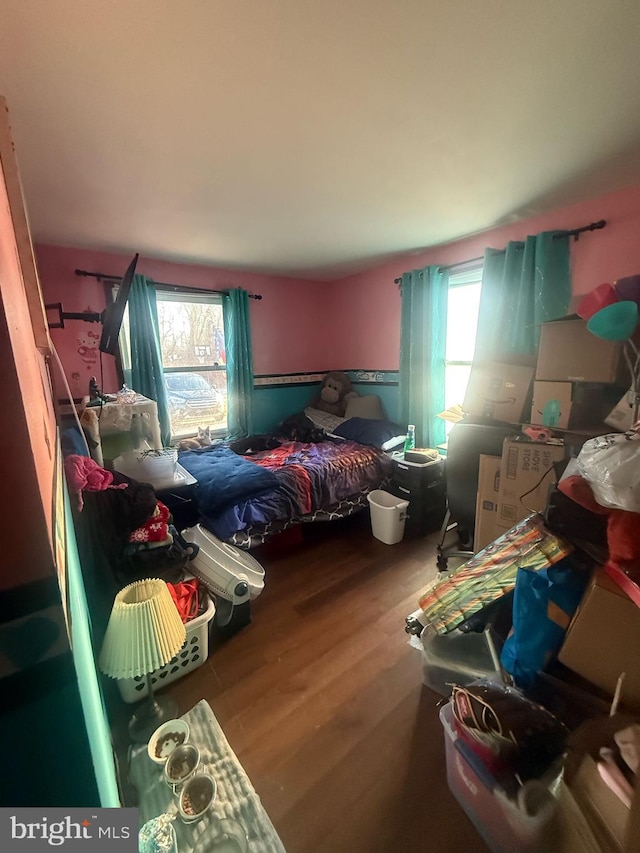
{"points": [[151, 466], [459, 658], [502, 824], [192, 655], [388, 516], [225, 570]]}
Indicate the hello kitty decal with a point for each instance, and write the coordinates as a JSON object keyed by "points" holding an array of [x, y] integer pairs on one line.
{"points": [[88, 347]]}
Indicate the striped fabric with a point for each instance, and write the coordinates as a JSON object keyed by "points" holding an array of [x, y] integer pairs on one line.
{"points": [[491, 574]]}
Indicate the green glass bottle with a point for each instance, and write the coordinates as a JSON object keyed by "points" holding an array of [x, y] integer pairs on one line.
{"points": [[410, 440]]}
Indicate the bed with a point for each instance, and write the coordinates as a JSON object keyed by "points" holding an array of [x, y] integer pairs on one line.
{"points": [[245, 499]]}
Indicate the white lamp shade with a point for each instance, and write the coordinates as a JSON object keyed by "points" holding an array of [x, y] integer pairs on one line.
{"points": [[144, 632]]}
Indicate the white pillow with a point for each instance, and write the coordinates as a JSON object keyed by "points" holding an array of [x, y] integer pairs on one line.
{"points": [[367, 406], [396, 441], [323, 420]]}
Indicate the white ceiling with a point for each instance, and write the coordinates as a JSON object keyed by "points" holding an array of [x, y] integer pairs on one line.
{"points": [[313, 137]]}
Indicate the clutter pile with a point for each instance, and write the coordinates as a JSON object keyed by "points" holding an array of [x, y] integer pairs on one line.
{"points": [[534, 640], [126, 534]]}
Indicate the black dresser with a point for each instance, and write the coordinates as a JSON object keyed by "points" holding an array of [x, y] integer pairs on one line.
{"points": [[423, 485]]}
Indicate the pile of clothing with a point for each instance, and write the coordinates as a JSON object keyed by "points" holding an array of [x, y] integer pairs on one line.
{"points": [[154, 533], [132, 529]]}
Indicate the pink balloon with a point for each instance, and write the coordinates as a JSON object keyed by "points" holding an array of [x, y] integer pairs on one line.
{"points": [[603, 295]]}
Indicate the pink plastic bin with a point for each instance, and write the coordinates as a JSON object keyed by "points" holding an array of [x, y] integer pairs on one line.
{"points": [[502, 825]]}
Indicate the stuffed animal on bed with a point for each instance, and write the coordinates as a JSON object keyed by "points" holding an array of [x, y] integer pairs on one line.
{"points": [[335, 393]]}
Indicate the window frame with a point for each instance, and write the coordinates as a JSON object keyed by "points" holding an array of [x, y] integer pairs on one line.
{"points": [[471, 274], [163, 294], [204, 298]]}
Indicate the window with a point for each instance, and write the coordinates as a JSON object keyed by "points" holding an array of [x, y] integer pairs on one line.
{"points": [[194, 360], [462, 321]]}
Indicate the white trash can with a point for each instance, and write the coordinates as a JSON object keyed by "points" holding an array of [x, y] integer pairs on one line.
{"points": [[388, 515]]}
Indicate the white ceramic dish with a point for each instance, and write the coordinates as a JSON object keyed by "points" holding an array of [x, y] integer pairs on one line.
{"points": [[166, 738]]}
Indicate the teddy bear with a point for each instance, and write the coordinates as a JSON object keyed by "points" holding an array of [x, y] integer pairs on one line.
{"points": [[335, 393]]}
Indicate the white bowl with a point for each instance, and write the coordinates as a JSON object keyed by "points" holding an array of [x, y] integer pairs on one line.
{"points": [[149, 465], [161, 743], [196, 796]]}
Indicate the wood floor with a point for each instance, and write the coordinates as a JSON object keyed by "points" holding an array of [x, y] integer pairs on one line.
{"points": [[322, 701]]}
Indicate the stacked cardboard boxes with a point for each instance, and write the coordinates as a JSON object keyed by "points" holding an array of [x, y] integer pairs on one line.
{"points": [[569, 352], [514, 485], [575, 376], [574, 373]]}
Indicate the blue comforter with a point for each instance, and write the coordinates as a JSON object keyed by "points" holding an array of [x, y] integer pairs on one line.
{"points": [[305, 478], [224, 478]]}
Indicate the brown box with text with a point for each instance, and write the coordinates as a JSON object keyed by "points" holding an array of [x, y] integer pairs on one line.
{"points": [[526, 475], [487, 502]]}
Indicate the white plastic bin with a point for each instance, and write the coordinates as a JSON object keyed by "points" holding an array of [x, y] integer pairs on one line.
{"points": [[193, 654], [388, 516]]}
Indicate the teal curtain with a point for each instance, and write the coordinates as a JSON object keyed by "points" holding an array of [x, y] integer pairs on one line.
{"points": [[522, 286], [237, 335], [147, 376], [423, 335]]}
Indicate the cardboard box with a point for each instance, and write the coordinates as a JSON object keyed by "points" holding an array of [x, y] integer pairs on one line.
{"points": [[523, 485], [568, 352], [604, 638], [568, 830], [551, 404], [487, 502], [498, 391], [566, 405], [605, 813]]}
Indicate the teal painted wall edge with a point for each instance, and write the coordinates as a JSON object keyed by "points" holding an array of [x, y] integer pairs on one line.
{"points": [[273, 404], [95, 715], [276, 396]]}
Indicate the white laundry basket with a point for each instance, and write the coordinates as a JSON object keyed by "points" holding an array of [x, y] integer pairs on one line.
{"points": [[388, 516], [193, 654]]}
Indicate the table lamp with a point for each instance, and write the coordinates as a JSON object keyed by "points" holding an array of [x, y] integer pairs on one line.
{"points": [[144, 632], [618, 322]]}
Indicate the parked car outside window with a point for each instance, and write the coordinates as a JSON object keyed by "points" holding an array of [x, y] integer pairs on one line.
{"points": [[192, 401]]}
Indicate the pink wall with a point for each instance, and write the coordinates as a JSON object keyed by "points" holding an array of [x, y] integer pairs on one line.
{"points": [[285, 333], [366, 307], [306, 326]]}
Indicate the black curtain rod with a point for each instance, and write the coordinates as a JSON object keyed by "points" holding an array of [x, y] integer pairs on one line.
{"points": [[163, 285], [450, 266], [574, 232], [462, 263]]}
